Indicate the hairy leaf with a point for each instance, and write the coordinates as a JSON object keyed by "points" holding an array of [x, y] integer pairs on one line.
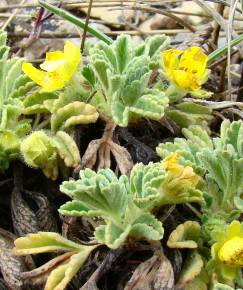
{"points": [[104, 195], [185, 235], [121, 73]]}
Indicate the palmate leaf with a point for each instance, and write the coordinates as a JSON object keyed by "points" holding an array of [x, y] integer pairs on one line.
{"points": [[139, 226], [226, 171], [231, 138], [104, 195], [152, 48], [96, 194], [220, 158], [196, 140], [152, 186], [12, 87], [121, 72]]}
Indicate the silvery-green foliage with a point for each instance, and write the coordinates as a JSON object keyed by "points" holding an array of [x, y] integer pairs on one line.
{"points": [[104, 195], [41, 150], [220, 158], [186, 114], [196, 140], [120, 72], [13, 85], [152, 186], [73, 256], [125, 204], [66, 107]]}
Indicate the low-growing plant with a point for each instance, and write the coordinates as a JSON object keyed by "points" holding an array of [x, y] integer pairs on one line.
{"points": [[219, 161], [58, 106], [124, 207], [13, 86]]}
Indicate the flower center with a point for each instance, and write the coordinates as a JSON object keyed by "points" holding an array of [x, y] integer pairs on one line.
{"points": [[231, 252]]}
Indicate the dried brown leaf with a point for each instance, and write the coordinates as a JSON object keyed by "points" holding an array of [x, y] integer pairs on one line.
{"points": [[153, 274], [25, 220], [11, 266], [90, 156], [123, 158]]}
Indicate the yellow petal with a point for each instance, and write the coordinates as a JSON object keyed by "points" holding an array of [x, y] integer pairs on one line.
{"points": [[35, 74], [234, 229], [189, 175], [170, 60], [53, 82], [231, 253], [181, 79], [170, 164], [53, 61], [194, 60], [72, 56]]}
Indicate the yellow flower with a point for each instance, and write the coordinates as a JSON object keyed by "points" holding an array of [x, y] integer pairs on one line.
{"points": [[187, 70], [229, 247], [57, 69], [182, 177]]}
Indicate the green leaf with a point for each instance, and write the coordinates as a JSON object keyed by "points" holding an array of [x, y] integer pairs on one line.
{"points": [[122, 74], [63, 274], [196, 140], [187, 113], [191, 270], [67, 149], [226, 171], [34, 103], [151, 187], [73, 114], [68, 266], [223, 50], [185, 235], [43, 242], [104, 195], [95, 192]]}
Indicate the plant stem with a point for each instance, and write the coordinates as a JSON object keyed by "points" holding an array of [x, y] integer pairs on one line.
{"points": [[75, 20], [222, 50]]}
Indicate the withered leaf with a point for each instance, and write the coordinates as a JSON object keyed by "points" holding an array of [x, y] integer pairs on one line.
{"points": [[153, 274], [123, 158], [25, 220], [90, 156], [11, 266]]}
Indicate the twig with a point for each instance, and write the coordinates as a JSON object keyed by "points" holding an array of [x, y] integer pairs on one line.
{"points": [[216, 30], [229, 33], [182, 22], [86, 25]]}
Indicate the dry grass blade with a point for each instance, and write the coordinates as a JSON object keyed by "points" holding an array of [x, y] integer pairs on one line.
{"points": [[162, 12], [217, 17], [229, 31], [86, 25], [11, 17]]}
